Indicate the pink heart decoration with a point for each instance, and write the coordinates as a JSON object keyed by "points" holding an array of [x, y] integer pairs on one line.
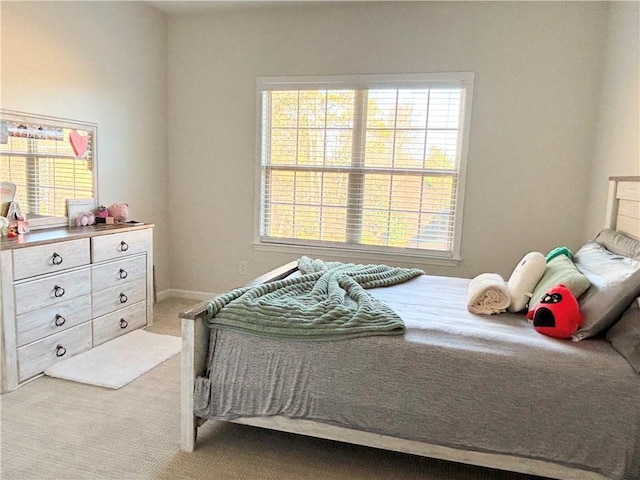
{"points": [[78, 143]]}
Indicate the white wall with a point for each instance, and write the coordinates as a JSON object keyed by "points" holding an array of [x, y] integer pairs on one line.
{"points": [[537, 69], [536, 157], [617, 149], [102, 62]]}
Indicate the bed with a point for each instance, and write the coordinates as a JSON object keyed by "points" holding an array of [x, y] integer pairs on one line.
{"points": [[566, 410]]}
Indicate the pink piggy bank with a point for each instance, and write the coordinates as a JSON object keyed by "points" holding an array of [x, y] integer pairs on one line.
{"points": [[119, 211]]}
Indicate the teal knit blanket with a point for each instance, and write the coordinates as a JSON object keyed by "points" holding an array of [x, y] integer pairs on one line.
{"points": [[327, 302]]}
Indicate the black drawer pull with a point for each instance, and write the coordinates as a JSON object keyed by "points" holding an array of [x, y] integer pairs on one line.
{"points": [[123, 273], [123, 246], [58, 291], [123, 323], [60, 320], [123, 298], [57, 259], [60, 351]]}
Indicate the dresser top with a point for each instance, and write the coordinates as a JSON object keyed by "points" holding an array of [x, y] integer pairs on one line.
{"points": [[52, 235]]}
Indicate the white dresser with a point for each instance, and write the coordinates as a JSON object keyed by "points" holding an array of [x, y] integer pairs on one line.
{"points": [[67, 290]]}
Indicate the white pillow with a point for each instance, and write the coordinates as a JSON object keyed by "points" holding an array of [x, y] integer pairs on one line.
{"points": [[524, 279]]}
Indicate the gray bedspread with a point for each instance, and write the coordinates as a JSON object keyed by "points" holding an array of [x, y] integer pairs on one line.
{"points": [[483, 383]]}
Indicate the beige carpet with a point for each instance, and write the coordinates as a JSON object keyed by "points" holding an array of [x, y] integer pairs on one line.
{"points": [[55, 429]]}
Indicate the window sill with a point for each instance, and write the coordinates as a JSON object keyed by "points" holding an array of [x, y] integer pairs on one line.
{"points": [[355, 256]]}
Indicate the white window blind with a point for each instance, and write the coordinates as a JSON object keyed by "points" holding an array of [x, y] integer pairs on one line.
{"points": [[366, 162], [37, 156]]}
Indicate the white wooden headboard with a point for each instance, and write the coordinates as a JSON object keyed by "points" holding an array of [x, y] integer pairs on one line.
{"points": [[623, 206]]}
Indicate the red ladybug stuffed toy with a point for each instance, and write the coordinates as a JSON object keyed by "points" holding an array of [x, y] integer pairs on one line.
{"points": [[558, 313]]}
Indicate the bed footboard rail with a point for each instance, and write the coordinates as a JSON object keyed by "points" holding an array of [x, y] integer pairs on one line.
{"points": [[193, 363], [195, 342]]}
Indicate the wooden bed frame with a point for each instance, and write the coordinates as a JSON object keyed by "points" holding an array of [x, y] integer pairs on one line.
{"points": [[623, 215]]}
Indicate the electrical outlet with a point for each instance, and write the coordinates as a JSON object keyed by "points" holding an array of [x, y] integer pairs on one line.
{"points": [[242, 268]]}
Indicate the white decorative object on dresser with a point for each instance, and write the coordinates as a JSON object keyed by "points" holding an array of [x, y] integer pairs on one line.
{"points": [[67, 290]]}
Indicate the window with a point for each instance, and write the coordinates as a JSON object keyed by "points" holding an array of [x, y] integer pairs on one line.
{"points": [[36, 155], [373, 163]]}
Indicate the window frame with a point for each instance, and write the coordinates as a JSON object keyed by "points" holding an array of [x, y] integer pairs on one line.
{"points": [[366, 81], [41, 221]]}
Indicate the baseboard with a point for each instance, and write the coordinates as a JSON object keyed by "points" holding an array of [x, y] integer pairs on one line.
{"points": [[188, 294]]}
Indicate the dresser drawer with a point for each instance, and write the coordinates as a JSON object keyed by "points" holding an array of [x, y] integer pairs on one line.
{"points": [[32, 261], [118, 323], [118, 273], [112, 298], [41, 323], [117, 245], [38, 356], [51, 290]]}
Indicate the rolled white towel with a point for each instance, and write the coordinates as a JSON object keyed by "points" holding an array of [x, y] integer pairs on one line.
{"points": [[488, 294]]}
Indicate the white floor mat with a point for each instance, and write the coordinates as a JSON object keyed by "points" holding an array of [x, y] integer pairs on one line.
{"points": [[119, 361]]}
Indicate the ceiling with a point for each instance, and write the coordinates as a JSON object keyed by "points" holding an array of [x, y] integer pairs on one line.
{"points": [[177, 7]]}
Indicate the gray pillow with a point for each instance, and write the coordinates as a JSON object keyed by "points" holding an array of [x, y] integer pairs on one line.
{"points": [[624, 336], [615, 282], [619, 243]]}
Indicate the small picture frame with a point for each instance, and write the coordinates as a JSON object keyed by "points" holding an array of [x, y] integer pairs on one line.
{"points": [[14, 212], [76, 206]]}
